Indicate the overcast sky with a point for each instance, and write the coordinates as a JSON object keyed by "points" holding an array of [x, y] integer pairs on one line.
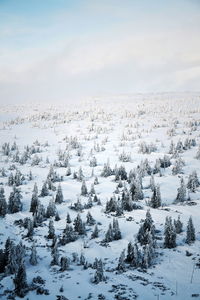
{"points": [[53, 50]]}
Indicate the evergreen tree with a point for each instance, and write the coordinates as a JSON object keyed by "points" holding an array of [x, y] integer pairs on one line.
{"points": [[79, 226], [178, 225], [68, 218], [51, 233], [146, 227], [55, 255], [68, 235], [169, 234], [64, 263], [99, 275], [109, 234], [181, 194], [95, 232], [156, 198], [193, 182], [14, 202], [34, 202], [190, 234], [59, 195], [121, 263], [89, 219], [116, 230], [33, 257], [29, 227], [51, 209], [3, 203], [83, 189], [20, 281], [44, 191]]}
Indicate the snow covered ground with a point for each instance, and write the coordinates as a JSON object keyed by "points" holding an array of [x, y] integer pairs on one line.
{"points": [[105, 129]]}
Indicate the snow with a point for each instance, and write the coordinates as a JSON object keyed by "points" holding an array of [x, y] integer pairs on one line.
{"points": [[141, 118]]}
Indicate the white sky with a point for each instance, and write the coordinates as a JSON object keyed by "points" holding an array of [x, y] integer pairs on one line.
{"points": [[60, 50]]}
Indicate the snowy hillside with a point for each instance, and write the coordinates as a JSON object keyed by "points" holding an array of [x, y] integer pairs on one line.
{"points": [[101, 199]]}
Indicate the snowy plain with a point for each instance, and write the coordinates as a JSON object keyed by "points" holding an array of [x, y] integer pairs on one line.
{"points": [[117, 125]]}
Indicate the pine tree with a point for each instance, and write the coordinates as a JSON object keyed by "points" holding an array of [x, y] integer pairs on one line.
{"points": [[109, 234], [193, 182], [190, 234], [64, 263], [55, 255], [178, 225], [3, 203], [34, 202], [51, 209], [181, 194], [95, 232], [59, 195], [51, 233], [116, 230], [29, 227], [68, 218], [156, 198], [33, 257], [83, 189], [121, 263], [89, 219], [44, 191], [79, 226], [99, 275], [14, 202], [145, 228], [68, 235], [169, 234], [20, 281]]}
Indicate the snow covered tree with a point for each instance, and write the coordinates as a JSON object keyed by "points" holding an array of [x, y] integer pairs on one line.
{"points": [[146, 227], [190, 234], [14, 201], [51, 232], [39, 215], [59, 195], [178, 225], [92, 190], [68, 235], [156, 197], [197, 156], [152, 183], [95, 232], [68, 219], [79, 226], [181, 192], [33, 257], [121, 263], [51, 209], [89, 219], [96, 181], [64, 263], [84, 189], [111, 204], [44, 191], [193, 182], [116, 231], [29, 227], [20, 281], [99, 275], [109, 234], [169, 234], [55, 255], [34, 202], [3, 203]]}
